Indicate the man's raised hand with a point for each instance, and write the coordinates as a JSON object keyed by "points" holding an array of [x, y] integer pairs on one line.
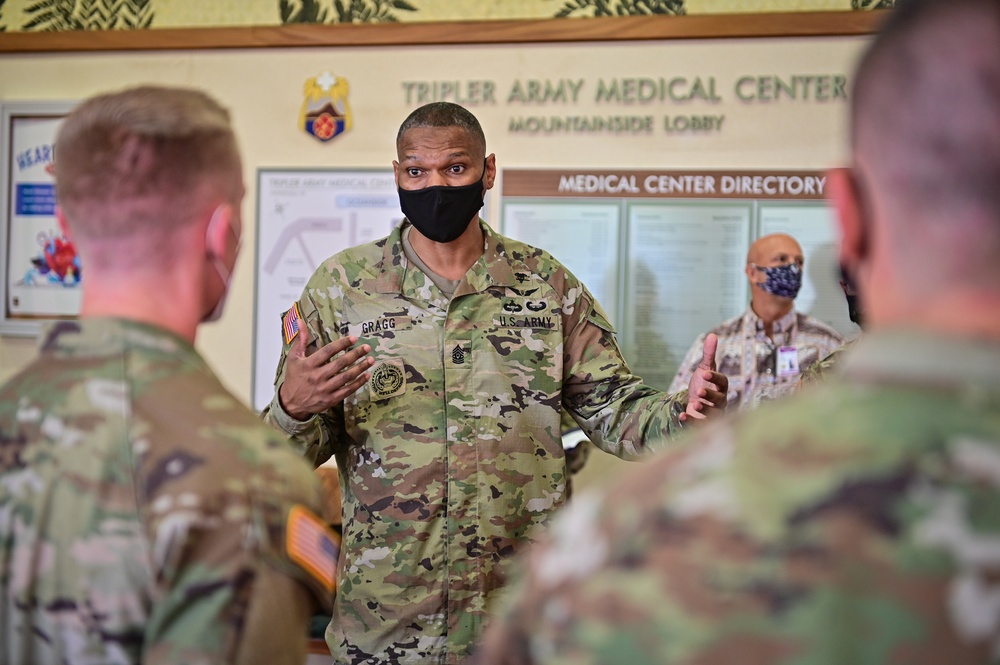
{"points": [[317, 381]]}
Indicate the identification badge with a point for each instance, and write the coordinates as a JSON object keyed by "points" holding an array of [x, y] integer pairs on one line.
{"points": [[788, 361]]}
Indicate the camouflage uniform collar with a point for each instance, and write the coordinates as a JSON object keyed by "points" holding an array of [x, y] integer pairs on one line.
{"points": [[492, 269], [393, 266], [913, 358], [104, 336]]}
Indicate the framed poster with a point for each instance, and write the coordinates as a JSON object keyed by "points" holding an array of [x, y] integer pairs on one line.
{"points": [[303, 217], [40, 272]]}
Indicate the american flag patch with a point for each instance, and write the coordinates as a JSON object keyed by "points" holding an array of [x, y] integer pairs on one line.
{"points": [[290, 322], [313, 545]]}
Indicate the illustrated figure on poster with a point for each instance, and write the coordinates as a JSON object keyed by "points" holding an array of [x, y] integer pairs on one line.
{"points": [[56, 263]]}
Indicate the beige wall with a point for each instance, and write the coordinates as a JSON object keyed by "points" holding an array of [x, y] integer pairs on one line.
{"points": [[263, 88]]}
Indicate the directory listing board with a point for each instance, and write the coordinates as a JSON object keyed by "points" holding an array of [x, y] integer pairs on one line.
{"points": [[665, 252]]}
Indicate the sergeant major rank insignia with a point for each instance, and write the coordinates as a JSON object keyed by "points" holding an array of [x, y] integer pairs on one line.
{"points": [[325, 112], [388, 380]]}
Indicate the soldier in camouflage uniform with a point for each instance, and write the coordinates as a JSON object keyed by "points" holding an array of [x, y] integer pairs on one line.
{"points": [[856, 522], [764, 350], [466, 345], [146, 515]]}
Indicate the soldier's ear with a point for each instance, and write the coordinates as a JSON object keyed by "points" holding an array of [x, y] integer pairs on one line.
{"points": [[219, 231], [490, 174], [848, 198]]}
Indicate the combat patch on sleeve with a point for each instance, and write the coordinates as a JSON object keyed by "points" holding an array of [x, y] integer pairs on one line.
{"points": [[388, 379], [313, 545], [290, 323]]}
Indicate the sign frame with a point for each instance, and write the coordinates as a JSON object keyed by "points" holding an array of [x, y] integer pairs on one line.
{"points": [[14, 118]]}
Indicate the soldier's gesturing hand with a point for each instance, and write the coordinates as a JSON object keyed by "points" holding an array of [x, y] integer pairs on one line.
{"points": [[317, 381], [707, 392]]}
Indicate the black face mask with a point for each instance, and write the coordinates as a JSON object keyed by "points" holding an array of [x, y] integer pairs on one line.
{"points": [[442, 213], [854, 310], [853, 301]]}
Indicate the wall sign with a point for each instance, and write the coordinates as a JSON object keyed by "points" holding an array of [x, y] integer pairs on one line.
{"points": [[40, 272], [664, 251]]}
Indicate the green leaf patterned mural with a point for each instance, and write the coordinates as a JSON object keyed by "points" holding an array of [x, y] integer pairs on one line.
{"points": [[863, 5], [77, 15], [343, 11], [58, 15], [621, 7]]}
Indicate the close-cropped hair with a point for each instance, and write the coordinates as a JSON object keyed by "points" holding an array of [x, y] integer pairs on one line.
{"points": [[144, 159], [926, 103], [444, 114]]}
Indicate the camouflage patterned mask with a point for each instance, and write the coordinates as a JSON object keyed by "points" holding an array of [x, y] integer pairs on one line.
{"points": [[783, 281]]}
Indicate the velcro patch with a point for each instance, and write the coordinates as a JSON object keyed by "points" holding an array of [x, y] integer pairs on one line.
{"points": [[384, 325], [526, 313], [290, 323], [388, 380], [313, 545]]}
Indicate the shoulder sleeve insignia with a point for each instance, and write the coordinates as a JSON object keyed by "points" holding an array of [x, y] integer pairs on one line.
{"points": [[313, 545], [290, 323]]}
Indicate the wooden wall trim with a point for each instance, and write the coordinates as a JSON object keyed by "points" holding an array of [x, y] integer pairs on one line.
{"points": [[624, 28]]}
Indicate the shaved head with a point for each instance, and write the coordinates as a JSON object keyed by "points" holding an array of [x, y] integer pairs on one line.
{"points": [[775, 249], [926, 137]]}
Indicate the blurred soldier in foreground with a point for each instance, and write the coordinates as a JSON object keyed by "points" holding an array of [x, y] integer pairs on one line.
{"points": [[146, 515], [854, 523]]}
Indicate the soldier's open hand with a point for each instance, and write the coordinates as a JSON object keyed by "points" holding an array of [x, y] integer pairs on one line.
{"points": [[707, 391], [316, 381]]}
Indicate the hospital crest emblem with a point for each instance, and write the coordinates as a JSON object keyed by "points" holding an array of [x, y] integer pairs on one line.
{"points": [[325, 112]]}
